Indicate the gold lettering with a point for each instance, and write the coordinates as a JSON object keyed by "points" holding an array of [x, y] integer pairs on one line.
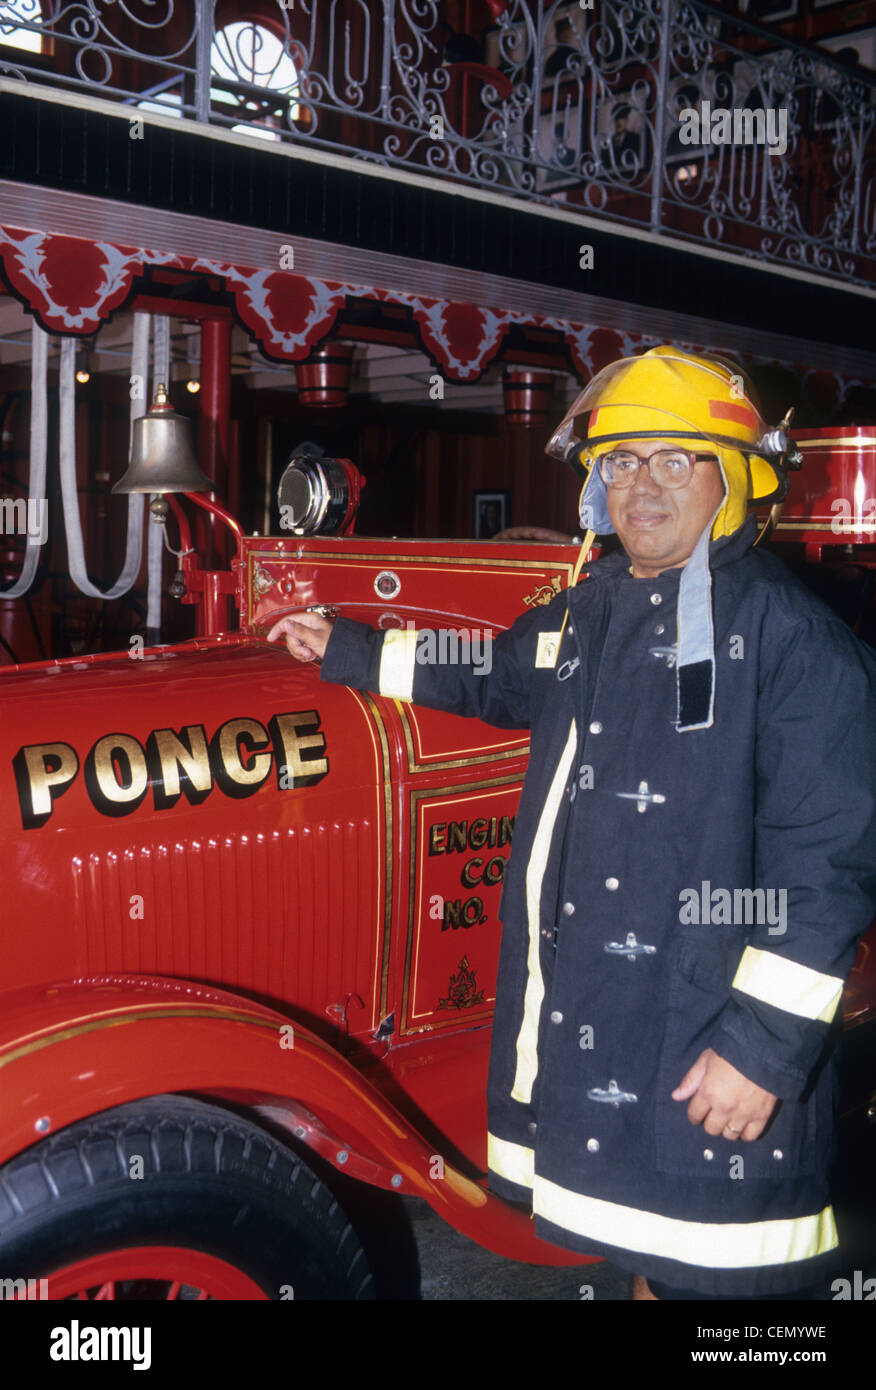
{"points": [[116, 774], [438, 838], [477, 834], [456, 840], [227, 741], [297, 734], [167, 754], [469, 877], [43, 772]]}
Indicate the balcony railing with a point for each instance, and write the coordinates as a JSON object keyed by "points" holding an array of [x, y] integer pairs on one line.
{"points": [[664, 114]]}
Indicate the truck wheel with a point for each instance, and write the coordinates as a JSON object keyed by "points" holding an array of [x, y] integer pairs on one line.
{"points": [[171, 1198]]}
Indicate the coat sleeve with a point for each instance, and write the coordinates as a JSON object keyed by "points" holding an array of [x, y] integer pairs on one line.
{"points": [[459, 671], [815, 843]]}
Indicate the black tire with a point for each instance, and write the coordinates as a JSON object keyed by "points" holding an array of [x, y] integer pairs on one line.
{"points": [[212, 1182]]}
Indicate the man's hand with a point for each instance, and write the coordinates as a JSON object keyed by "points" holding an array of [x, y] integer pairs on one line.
{"points": [[306, 635], [723, 1100]]}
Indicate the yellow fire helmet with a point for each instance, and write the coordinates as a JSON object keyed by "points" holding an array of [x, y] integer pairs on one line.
{"points": [[677, 397], [672, 395]]}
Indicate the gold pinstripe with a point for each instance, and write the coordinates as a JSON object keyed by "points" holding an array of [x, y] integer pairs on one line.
{"points": [[137, 1016]]}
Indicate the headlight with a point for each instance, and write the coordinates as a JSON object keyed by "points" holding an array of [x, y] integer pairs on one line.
{"points": [[318, 495]]}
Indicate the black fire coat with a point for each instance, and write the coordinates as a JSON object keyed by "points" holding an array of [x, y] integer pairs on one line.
{"points": [[630, 943]]}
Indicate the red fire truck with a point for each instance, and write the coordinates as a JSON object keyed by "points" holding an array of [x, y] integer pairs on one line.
{"points": [[250, 933]]}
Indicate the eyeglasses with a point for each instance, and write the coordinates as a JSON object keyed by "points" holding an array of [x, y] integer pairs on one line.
{"points": [[666, 467]]}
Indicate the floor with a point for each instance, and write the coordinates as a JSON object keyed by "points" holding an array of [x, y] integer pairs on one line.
{"points": [[455, 1268]]}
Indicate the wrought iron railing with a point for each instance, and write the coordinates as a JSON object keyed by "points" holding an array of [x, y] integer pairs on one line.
{"points": [[613, 111]]}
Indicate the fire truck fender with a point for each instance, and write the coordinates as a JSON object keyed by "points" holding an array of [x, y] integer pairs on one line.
{"points": [[72, 1051]]}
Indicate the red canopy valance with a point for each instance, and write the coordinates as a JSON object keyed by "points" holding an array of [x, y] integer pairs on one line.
{"points": [[73, 285]]}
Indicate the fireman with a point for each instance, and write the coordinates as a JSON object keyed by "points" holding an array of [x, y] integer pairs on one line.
{"points": [[693, 859]]}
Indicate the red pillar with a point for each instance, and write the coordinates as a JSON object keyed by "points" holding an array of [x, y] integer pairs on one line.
{"points": [[215, 399]]}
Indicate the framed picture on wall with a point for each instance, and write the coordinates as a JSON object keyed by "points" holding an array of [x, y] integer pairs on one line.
{"points": [[622, 138], [564, 38], [508, 49], [491, 512], [559, 137]]}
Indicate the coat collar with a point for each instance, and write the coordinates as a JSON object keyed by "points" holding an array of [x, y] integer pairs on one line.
{"points": [[695, 645], [722, 551]]}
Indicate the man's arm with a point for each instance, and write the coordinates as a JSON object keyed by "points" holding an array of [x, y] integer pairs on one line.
{"points": [[460, 671], [815, 846]]}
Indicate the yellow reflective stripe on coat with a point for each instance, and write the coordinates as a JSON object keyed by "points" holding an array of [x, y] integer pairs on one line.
{"points": [[397, 656], [511, 1161], [527, 1038], [787, 985], [704, 1244]]}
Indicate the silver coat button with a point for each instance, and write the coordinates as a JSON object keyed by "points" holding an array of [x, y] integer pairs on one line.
{"points": [[568, 909], [777, 1153], [596, 727], [556, 1016], [532, 1126], [611, 884], [659, 629], [656, 598], [707, 1154], [593, 1146]]}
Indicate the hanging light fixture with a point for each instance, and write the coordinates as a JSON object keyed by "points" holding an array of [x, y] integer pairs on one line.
{"points": [[83, 371], [193, 351]]}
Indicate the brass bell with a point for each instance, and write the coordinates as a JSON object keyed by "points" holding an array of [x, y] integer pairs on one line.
{"points": [[162, 458]]}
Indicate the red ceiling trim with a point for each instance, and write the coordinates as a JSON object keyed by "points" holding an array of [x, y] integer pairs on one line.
{"points": [[73, 285]]}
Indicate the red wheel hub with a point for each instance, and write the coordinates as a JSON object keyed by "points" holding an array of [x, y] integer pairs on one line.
{"points": [[152, 1272]]}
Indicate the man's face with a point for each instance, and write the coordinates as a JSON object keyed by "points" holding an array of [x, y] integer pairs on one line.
{"points": [[659, 527]]}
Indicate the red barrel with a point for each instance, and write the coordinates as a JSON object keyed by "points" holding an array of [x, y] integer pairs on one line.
{"points": [[324, 379], [527, 397]]}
